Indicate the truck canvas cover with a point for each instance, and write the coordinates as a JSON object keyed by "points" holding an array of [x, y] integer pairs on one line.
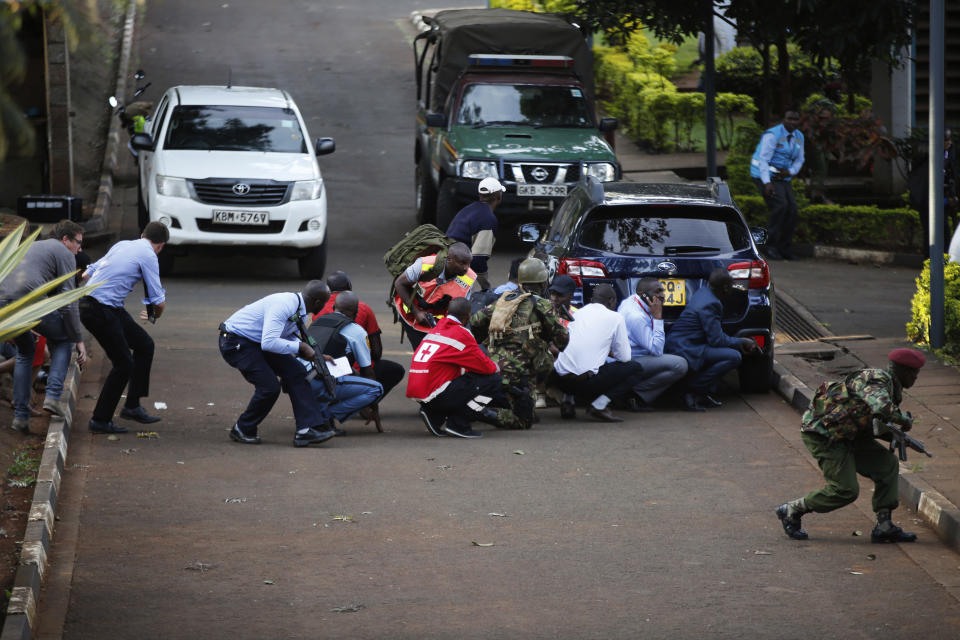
{"points": [[504, 31]]}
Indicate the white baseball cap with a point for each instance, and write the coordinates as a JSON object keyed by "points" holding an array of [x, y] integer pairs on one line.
{"points": [[490, 185]]}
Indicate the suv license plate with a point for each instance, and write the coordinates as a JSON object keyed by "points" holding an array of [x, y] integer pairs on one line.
{"points": [[241, 217], [675, 293], [542, 190]]}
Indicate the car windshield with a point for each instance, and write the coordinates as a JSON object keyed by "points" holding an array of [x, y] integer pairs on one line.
{"points": [[523, 104], [223, 128], [664, 230]]}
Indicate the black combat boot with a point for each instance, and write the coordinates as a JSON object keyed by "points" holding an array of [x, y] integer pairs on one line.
{"points": [[789, 514], [886, 531]]}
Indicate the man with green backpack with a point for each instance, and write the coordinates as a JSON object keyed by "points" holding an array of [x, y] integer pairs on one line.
{"points": [[424, 288]]}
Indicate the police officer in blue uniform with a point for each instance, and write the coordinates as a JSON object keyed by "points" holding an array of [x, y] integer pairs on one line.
{"points": [[262, 341], [776, 160]]}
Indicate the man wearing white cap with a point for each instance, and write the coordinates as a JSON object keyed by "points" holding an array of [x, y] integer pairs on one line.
{"points": [[476, 225]]}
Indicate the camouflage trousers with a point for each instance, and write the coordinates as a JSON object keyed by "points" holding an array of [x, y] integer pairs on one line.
{"points": [[841, 461], [519, 395]]}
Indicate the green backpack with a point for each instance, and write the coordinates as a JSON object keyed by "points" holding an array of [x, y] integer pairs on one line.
{"points": [[425, 240]]}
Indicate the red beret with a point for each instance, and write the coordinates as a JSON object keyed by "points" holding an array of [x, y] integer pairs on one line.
{"points": [[908, 358]]}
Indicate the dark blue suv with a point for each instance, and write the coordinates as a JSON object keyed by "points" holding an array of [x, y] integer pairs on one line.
{"points": [[619, 232]]}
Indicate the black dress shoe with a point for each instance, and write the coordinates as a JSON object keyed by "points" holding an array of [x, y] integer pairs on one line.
{"points": [[708, 401], [338, 431], [791, 525], [239, 436], [603, 416], [568, 409], [637, 405], [691, 402], [894, 534], [139, 414], [105, 427], [311, 436]]}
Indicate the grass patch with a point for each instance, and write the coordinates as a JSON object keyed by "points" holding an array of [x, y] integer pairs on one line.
{"points": [[22, 472]]}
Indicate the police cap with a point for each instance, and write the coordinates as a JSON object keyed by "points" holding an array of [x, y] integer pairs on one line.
{"points": [[908, 358], [563, 284]]}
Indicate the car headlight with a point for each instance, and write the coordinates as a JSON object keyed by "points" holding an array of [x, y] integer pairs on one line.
{"points": [[478, 169], [306, 190], [602, 171], [172, 187]]}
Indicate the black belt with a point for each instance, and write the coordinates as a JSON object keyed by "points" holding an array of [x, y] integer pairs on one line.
{"points": [[226, 334]]}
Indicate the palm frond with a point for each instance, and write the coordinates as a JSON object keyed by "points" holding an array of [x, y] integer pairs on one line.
{"points": [[33, 312], [11, 253]]}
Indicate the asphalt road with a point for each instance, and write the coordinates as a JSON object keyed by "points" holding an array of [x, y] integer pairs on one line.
{"points": [[659, 527]]}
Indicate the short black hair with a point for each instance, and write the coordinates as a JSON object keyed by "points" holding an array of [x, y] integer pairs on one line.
{"points": [[156, 232], [316, 290], [339, 281], [460, 309]]}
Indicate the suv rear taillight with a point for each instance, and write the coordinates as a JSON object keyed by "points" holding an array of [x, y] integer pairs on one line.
{"points": [[580, 269], [756, 274]]}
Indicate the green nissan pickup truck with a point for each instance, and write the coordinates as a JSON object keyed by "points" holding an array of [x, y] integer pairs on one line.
{"points": [[505, 94]]}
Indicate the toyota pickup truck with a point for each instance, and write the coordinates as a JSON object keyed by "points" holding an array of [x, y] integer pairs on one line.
{"points": [[509, 95]]}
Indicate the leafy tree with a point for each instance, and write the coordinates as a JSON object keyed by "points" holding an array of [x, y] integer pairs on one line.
{"points": [[16, 134], [852, 32]]}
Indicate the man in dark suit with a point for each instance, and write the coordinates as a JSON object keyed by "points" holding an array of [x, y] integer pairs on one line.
{"points": [[698, 336]]}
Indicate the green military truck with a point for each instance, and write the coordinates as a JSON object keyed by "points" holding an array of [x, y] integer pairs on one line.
{"points": [[509, 95]]}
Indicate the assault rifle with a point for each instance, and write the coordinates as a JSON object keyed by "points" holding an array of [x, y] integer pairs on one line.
{"points": [[898, 439], [319, 364]]}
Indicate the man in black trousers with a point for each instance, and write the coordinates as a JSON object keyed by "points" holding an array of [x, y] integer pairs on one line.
{"points": [[127, 344]]}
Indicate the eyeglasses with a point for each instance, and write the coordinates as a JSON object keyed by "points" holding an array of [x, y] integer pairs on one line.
{"points": [[79, 241]]}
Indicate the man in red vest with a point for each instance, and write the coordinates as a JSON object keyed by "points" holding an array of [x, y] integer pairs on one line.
{"points": [[425, 289], [451, 376]]}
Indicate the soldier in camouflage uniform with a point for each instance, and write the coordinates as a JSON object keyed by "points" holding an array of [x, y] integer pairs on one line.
{"points": [[838, 431], [518, 329]]}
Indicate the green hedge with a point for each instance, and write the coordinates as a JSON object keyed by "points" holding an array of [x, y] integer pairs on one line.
{"points": [[633, 86], [918, 329]]}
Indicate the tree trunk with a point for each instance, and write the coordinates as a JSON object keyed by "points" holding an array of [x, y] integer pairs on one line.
{"points": [[783, 69]]}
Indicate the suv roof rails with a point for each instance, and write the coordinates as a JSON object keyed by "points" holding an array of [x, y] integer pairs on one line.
{"points": [[719, 189], [592, 186]]}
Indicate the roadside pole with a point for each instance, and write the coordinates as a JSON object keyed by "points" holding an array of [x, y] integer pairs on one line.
{"points": [[937, 323], [710, 93]]}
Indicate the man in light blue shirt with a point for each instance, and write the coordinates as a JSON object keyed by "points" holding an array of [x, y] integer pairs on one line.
{"points": [[127, 344], [643, 313], [776, 160], [338, 336], [262, 341]]}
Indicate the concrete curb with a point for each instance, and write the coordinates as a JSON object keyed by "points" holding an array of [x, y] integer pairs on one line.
{"points": [[98, 221], [931, 505], [34, 553]]}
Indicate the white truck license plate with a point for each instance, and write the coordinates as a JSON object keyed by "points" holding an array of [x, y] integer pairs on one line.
{"points": [[542, 190], [241, 217]]}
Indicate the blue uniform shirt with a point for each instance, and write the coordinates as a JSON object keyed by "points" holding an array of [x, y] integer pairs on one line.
{"points": [[777, 148], [476, 226], [267, 322], [127, 262]]}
